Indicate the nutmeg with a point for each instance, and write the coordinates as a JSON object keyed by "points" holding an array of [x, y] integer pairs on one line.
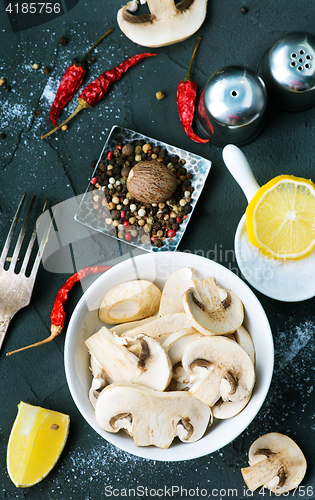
{"points": [[151, 182]]}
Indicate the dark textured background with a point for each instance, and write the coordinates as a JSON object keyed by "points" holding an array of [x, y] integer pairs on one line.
{"points": [[59, 168]]}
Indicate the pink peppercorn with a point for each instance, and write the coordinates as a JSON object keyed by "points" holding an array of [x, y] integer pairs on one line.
{"points": [[93, 180], [119, 147], [171, 233], [122, 214], [127, 236], [125, 223], [110, 155], [178, 219]]}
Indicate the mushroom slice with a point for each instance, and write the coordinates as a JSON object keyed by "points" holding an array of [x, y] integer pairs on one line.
{"points": [[220, 368], [99, 381], [228, 409], [176, 343], [276, 462], [124, 327], [244, 339], [152, 368], [211, 309], [166, 24], [173, 290], [152, 417], [130, 301], [163, 325]]}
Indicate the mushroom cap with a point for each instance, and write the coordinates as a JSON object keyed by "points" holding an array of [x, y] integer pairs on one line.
{"points": [[173, 290], [130, 301], [276, 462], [152, 417], [166, 25], [152, 369], [176, 343], [221, 368], [244, 339], [211, 309]]}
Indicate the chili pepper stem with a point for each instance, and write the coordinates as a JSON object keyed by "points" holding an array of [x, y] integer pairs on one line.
{"points": [[55, 330], [82, 104], [188, 76], [95, 44]]}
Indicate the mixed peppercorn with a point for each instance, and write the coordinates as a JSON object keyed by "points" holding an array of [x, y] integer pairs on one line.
{"points": [[124, 216]]}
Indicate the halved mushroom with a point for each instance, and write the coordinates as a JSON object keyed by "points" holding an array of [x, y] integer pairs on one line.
{"points": [[130, 301], [99, 381], [219, 368], [166, 24], [152, 417], [152, 368], [173, 290], [213, 310], [169, 323], [276, 462]]}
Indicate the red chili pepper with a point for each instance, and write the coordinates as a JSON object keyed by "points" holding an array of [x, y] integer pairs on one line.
{"points": [[58, 314], [95, 90], [186, 99], [70, 83]]}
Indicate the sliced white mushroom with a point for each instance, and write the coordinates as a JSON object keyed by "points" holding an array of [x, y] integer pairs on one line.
{"points": [[99, 381], [130, 301], [228, 409], [177, 341], [276, 462], [152, 368], [152, 417], [166, 24], [244, 339], [219, 368], [173, 290], [167, 324], [124, 327], [211, 309]]}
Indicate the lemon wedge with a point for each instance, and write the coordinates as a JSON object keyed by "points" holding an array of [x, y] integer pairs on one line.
{"points": [[37, 439], [280, 218]]}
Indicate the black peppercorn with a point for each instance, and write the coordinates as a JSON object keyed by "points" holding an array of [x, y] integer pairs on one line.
{"points": [[62, 40], [102, 167], [2, 135], [128, 150], [37, 112], [45, 71], [115, 214], [244, 10], [8, 88], [91, 60]]}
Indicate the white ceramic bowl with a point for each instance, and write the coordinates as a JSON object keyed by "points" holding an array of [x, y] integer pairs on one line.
{"points": [[157, 267]]}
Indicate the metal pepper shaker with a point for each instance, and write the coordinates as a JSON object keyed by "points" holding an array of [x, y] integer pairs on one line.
{"points": [[231, 107], [288, 70]]}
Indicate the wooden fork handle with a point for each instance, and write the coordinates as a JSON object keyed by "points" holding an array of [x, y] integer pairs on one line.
{"points": [[4, 323]]}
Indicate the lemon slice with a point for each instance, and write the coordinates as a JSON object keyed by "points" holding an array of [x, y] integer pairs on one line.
{"points": [[36, 441], [280, 218]]}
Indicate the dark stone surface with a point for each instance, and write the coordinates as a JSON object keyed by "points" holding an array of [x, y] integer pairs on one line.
{"points": [[58, 167]]}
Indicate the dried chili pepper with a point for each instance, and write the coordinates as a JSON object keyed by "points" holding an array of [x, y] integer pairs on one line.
{"points": [[58, 314], [70, 83], [186, 99], [95, 90]]}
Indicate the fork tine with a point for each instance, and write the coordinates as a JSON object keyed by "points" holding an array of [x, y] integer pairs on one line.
{"points": [[31, 244], [22, 233], [11, 232]]}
